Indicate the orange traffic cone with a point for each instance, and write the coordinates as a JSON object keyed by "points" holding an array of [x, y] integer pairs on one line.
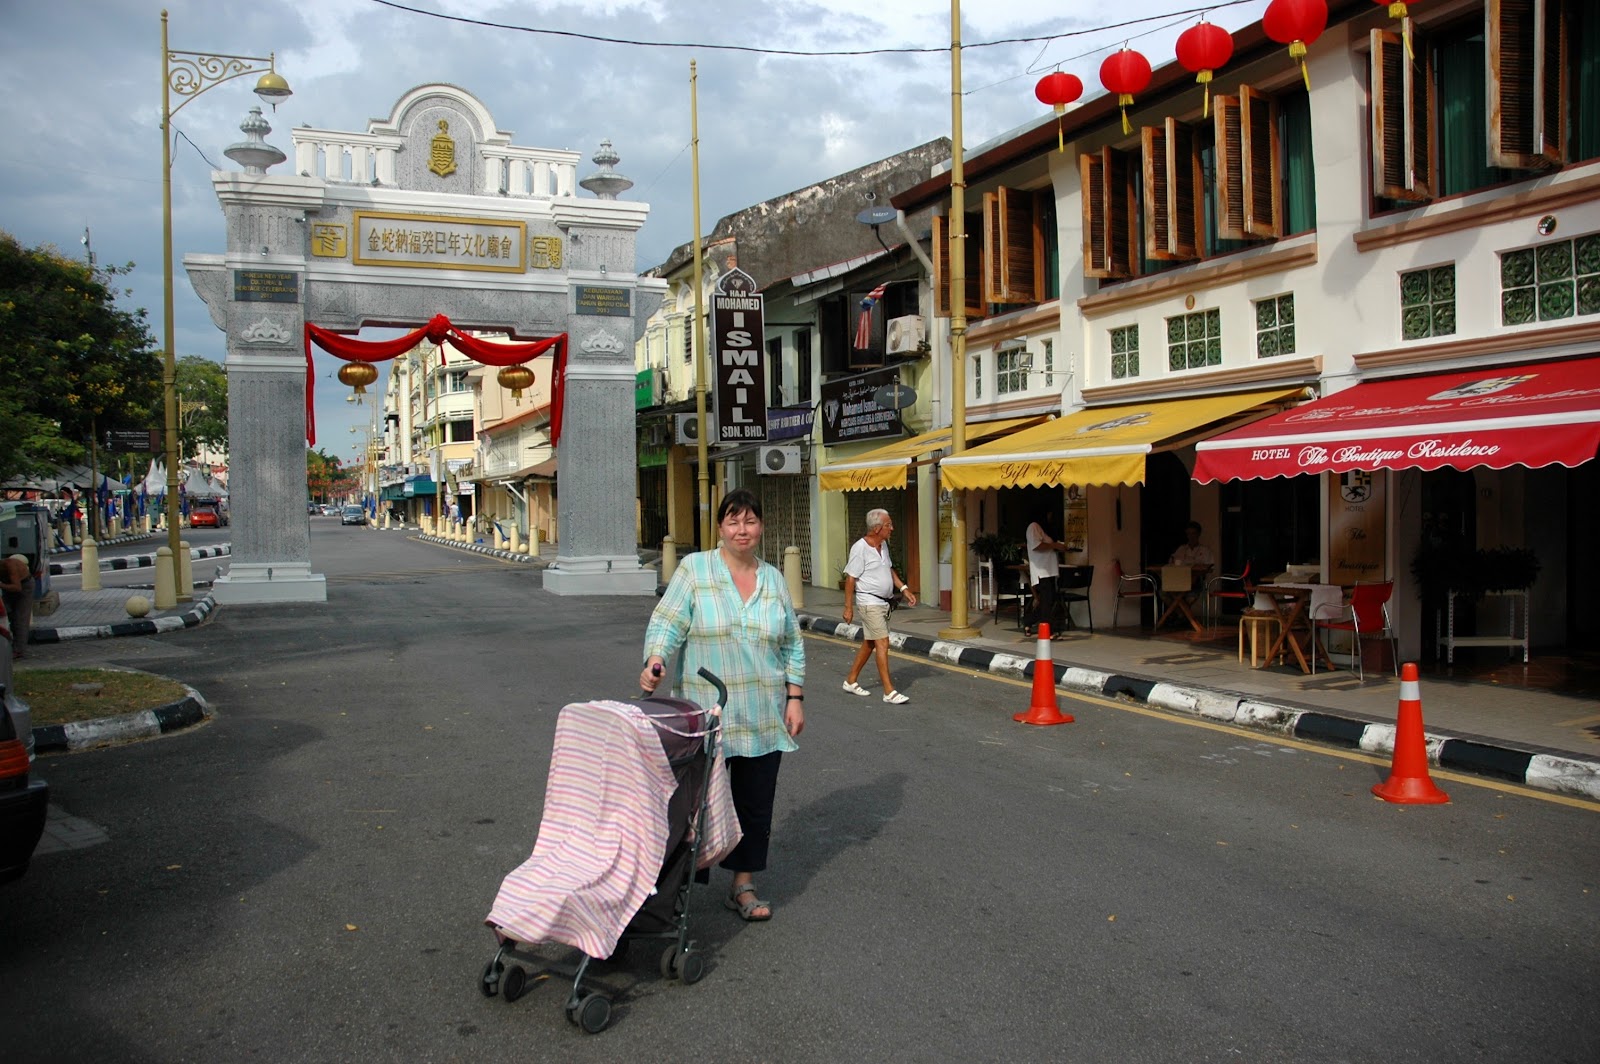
{"points": [[1408, 782], [1044, 709]]}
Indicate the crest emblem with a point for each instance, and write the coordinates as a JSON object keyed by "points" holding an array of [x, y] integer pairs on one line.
{"points": [[442, 154]]}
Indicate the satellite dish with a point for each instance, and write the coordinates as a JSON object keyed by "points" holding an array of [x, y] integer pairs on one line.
{"points": [[877, 215], [894, 396]]}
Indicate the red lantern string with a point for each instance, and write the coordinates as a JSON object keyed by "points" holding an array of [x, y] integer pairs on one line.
{"points": [[438, 330], [1058, 90], [1201, 49], [1296, 23], [1125, 73]]}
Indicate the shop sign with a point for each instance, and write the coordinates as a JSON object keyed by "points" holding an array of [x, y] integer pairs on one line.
{"points": [[739, 376], [789, 422], [850, 414]]}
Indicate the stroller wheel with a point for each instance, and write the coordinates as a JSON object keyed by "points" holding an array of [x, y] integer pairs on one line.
{"points": [[515, 980], [594, 1012], [489, 981], [669, 963], [692, 967]]}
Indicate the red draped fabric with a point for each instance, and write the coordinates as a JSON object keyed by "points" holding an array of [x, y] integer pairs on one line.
{"points": [[438, 330]]}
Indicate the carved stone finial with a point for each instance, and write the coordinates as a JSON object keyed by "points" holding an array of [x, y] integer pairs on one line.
{"points": [[254, 153], [606, 183]]}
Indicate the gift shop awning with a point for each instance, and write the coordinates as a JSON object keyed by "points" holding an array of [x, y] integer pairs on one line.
{"points": [[1545, 413], [1101, 445], [885, 467]]}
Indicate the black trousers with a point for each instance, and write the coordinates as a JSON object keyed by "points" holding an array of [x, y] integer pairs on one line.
{"points": [[754, 782], [1044, 605]]}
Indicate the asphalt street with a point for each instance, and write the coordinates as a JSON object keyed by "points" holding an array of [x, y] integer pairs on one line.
{"points": [[305, 877]]}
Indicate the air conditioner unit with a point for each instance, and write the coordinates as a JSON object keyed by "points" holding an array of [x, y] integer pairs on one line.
{"points": [[687, 428], [906, 335], [779, 460]]}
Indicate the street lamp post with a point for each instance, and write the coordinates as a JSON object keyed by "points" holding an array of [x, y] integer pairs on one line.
{"points": [[188, 74]]}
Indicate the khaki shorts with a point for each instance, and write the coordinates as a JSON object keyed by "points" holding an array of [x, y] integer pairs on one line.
{"points": [[874, 620]]}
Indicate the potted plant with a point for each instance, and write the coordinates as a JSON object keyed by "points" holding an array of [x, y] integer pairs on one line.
{"points": [[997, 549]]}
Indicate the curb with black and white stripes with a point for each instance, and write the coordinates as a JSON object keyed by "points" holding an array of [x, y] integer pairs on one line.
{"points": [[138, 561], [1546, 772], [479, 547], [145, 724], [190, 618], [136, 537]]}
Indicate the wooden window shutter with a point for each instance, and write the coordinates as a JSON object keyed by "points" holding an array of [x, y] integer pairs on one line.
{"points": [[1110, 220], [1011, 254], [1263, 194], [973, 281], [1230, 171], [1172, 191], [941, 267], [1527, 44], [1402, 120]]}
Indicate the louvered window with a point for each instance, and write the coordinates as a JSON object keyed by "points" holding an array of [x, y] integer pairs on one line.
{"points": [[972, 282], [1527, 42], [1110, 214], [1248, 194], [1013, 246], [1402, 120], [1173, 191]]}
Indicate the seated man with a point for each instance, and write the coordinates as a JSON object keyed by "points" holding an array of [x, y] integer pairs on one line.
{"points": [[1192, 551]]}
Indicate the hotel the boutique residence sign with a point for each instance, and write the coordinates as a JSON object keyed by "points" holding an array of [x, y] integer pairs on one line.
{"points": [[739, 347], [450, 242]]}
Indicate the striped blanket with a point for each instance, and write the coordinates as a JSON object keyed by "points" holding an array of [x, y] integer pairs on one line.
{"points": [[603, 835]]}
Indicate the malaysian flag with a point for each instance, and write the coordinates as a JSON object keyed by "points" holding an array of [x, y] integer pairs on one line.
{"points": [[864, 323]]}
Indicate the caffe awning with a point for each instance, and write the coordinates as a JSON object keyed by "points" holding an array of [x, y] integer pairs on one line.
{"points": [[886, 466], [1101, 445], [1540, 414]]}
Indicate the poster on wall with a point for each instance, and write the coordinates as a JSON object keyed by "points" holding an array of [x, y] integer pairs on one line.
{"points": [[1075, 519], [1356, 544]]}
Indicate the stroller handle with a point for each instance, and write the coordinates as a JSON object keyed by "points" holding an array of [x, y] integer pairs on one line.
{"points": [[715, 681]]}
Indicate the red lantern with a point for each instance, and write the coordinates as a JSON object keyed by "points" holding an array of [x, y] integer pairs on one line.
{"points": [[1203, 48], [1296, 23], [1125, 73], [1058, 90]]}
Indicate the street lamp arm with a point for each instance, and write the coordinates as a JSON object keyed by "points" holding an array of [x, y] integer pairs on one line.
{"points": [[191, 73]]}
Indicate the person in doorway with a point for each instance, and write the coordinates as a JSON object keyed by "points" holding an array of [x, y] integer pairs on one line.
{"points": [[1192, 551], [16, 583], [730, 612], [870, 582], [1044, 566]]}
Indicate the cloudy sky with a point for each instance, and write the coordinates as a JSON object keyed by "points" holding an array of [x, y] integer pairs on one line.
{"points": [[81, 80]]}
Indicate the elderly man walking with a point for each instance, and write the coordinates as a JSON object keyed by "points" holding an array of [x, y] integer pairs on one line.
{"points": [[869, 582]]}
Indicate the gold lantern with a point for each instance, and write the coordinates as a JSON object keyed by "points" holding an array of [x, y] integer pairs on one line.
{"points": [[358, 375], [516, 378]]}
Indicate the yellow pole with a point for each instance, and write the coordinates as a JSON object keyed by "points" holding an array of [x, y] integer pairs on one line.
{"points": [[959, 627], [699, 340], [169, 364]]}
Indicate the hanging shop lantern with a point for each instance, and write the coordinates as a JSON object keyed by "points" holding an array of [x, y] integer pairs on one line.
{"points": [[1399, 12], [1296, 23], [1058, 90], [1125, 73], [358, 375], [516, 378], [1203, 48]]}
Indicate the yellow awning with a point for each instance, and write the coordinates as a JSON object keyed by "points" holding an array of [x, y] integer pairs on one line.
{"points": [[886, 466], [1102, 445]]}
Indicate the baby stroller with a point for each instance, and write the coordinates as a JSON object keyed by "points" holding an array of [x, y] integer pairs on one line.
{"points": [[636, 802]]}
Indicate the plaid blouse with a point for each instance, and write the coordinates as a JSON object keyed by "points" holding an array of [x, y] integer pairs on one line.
{"points": [[754, 647]]}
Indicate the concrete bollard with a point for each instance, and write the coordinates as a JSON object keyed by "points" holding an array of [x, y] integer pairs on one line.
{"points": [[184, 572], [669, 558], [499, 540], [166, 585], [91, 565], [386, 520], [791, 574], [533, 541], [516, 539]]}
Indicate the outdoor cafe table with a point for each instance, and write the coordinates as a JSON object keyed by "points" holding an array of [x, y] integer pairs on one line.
{"points": [[1177, 583], [1295, 605]]}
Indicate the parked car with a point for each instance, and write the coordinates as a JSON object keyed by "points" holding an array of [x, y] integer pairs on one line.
{"points": [[353, 515], [24, 799], [207, 515], [329, 509]]}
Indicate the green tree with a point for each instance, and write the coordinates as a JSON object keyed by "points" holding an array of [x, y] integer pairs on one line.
{"points": [[325, 478], [78, 363], [202, 387]]}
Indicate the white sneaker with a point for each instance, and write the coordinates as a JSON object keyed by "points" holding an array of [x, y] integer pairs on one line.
{"points": [[896, 698], [855, 688]]}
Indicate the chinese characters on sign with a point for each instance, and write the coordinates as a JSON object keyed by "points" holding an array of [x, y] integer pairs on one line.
{"points": [[266, 286], [328, 241], [739, 373], [444, 242]]}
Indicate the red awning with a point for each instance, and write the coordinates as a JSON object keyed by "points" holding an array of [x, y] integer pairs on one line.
{"points": [[1533, 415]]}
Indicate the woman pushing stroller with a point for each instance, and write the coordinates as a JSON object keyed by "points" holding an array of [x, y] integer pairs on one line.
{"points": [[730, 612]]}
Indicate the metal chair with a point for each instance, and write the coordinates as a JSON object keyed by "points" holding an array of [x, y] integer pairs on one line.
{"points": [[1232, 586], [1364, 616], [984, 599], [1013, 591], [1134, 586], [1073, 585]]}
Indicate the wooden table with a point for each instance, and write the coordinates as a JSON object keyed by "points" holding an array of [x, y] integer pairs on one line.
{"points": [[1293, 604], [1177, 597]]}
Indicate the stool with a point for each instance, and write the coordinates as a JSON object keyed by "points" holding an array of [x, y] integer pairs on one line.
{"points": [[1258, 624]]}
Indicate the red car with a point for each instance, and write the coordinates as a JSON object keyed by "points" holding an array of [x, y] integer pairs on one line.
{"points": [[206, 515]]}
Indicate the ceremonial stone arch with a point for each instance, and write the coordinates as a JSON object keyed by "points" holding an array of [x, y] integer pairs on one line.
{"points": [[430, 211]]}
